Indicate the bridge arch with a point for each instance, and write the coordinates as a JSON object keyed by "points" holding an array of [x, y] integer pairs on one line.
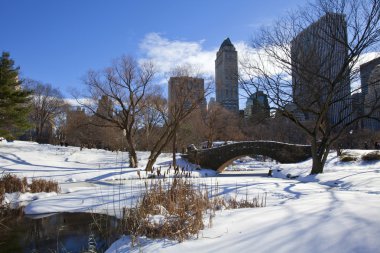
{"points": [[219, 158]]}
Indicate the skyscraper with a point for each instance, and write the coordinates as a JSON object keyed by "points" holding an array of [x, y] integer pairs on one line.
{"points": [[365, 72], [372, 100], [257, 106], [226, 76], [318, 57], [369, 79], [187, 92]]}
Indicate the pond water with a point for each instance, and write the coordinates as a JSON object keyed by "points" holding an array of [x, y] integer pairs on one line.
{"points": [[58, 233]]}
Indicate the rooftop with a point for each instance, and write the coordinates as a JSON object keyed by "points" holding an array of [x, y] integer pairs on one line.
{"points": [[226, 43]]}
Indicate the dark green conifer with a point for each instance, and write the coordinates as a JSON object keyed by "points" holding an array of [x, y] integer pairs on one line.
{"points": [[14, 99]]}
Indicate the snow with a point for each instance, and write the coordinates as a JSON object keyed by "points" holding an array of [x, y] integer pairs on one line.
{"points": [[337, 211]]}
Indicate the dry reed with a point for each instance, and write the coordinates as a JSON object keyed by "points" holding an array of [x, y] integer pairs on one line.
{"points": [[11, 183], [42, 185], [176, 210], [371, 156]]}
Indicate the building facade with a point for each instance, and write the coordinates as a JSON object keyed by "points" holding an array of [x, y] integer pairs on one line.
{"points": [[226, 76], [357, 109], [365, 72], [372, 100], [257, 106], [186, 92], [318, 58]]}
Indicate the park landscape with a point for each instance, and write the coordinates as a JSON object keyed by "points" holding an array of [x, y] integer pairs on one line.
{"points": [[336, 210], [155, 152]]}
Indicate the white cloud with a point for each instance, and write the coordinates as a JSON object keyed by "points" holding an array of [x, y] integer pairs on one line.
{"points": [[168, 54], [78, 102]]}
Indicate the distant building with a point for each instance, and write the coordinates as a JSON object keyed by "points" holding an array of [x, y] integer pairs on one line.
{"points": [[297, 113], [257, 106], [365, 72], [317, 51], [105, 106], [358, 109], [187, 92], [211, 103], [226, 76], [372, 99]]}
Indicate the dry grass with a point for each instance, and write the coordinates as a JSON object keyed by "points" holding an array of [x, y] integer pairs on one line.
{"points": [[245, 203], [42, 185], [371, 156], [180, 209], [2, 193], [347, 158], [11, 183], [176, 210]]}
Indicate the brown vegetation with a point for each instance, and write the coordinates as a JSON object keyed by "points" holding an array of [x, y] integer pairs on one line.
{"points": [[176, 210], [42, 185], [11, 183], [347, 158], [371, 156]]}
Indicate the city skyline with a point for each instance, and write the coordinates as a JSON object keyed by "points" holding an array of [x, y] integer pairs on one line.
{"points": [[69, 38]]}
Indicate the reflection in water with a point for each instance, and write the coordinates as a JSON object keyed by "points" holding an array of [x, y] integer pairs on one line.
{"points": [[62, 232]]}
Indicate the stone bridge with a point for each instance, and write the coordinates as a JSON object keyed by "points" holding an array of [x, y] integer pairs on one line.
{"points": [[219, 158]]}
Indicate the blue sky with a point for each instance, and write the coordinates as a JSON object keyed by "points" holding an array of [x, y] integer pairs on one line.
{"points": [[57, 42]]}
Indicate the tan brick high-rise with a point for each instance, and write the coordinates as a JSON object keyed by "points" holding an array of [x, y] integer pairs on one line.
{"points": [[226, 76]]}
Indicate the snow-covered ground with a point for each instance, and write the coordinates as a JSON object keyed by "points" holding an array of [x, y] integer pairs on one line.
{"points": [[337, 211]]}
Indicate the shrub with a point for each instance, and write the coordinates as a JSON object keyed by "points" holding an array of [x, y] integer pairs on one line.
{"points": [[371, 156], [42, 185], [2, 193], [175, 210], [347, 158], [180, 209], [11, 183], [245, 203]]}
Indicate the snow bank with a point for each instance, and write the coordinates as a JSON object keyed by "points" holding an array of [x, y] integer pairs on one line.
{"points": [[337, 211]]}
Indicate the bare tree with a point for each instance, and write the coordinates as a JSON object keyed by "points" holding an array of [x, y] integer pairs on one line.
{"points": [[304, 63], [173, 115], [47, 103], [61, 124], [150, 119], [184, 96], [126, 83], [77, 130]]}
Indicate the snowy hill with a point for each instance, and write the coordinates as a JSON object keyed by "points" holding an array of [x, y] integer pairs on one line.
{"points": [[338, 211]]}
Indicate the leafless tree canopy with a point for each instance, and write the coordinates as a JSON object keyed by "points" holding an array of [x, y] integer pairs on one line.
{"points": [[126, 83], [305, 61], [188, 101], [47, 104]]}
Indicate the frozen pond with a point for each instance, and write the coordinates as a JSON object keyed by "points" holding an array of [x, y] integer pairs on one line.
{"points": [[59, 232]]}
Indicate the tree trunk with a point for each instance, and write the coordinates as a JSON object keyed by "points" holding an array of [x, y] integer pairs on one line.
{"points": [[151, 160], [132, 158], [319, 152], [317, 167], [174, 148], [37, 134], [157, 149], [132, 153]]}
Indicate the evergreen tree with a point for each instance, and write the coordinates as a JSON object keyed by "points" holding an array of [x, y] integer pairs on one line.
{"points": [[14, 100]]}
